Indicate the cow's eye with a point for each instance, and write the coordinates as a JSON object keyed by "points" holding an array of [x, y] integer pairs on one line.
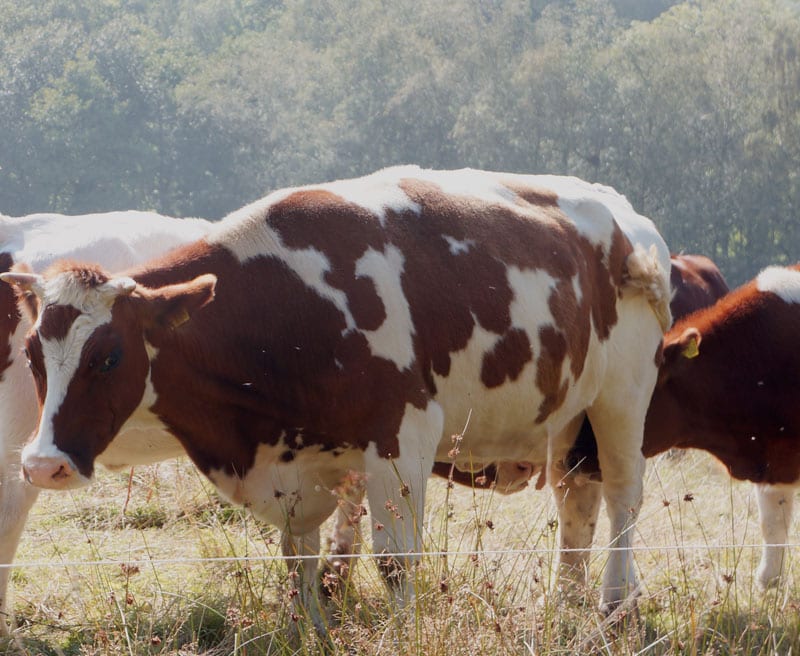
{"points": [[111, 361], [27, 355]]}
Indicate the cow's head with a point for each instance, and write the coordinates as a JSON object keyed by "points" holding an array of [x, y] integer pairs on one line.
{"points": [[88, 354]]}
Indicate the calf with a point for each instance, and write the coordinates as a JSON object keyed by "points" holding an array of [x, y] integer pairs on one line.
{"points": [[730, 385], [354, 326], [118, 240]]}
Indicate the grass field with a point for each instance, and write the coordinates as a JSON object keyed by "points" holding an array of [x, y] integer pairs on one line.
{"points": [[161, 595]]}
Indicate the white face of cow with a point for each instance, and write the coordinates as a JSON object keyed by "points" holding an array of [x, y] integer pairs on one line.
{"points": [[71, 318], [89, 360]]}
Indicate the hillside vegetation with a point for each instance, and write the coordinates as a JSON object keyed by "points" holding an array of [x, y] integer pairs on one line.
{"points": [[194, 107]]}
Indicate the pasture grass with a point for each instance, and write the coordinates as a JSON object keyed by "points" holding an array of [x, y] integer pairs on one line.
{"points": [[161, 594]]}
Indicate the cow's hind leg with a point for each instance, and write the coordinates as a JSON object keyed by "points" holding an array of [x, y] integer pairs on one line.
{"points": [[775, 503], [619, 440], [396, 492], [578, 507]]}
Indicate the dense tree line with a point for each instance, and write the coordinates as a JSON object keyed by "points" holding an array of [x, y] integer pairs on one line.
{"points": [[194, 107]]}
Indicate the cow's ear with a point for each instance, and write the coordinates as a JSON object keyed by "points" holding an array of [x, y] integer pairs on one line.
{"points": [[690, 343], [685, 347], [23, 284], [173, 305], [24, 281]]}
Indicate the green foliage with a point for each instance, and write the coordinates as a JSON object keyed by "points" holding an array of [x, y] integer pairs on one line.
{"points": [[691, 109]]}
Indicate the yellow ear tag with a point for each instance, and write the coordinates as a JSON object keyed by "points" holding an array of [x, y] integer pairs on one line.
{"points": [[691, 350]]}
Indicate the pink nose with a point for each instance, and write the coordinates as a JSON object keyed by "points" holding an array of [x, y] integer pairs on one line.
{"points": [[51, 473]]}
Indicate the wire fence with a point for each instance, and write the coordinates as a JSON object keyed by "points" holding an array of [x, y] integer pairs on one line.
{"points": [[535, 551]]}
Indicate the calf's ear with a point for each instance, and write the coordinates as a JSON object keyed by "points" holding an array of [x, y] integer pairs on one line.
{"points": [[173, 305], [690, 343], [685, 347]]}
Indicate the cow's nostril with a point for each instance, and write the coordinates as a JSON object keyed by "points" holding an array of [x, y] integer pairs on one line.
{"points": [[26, 475], [61, 473]]}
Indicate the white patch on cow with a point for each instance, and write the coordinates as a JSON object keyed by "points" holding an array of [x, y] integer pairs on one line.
{"points": [[592, 218], [378, 192], [143, 438], [298, 495], [531, 284], [576, 287], [62, 356], [471, 183], [780, 281], [393, 339], [457, 247]]}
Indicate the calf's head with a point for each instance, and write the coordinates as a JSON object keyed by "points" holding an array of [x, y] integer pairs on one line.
{"points": [[88, 356]]}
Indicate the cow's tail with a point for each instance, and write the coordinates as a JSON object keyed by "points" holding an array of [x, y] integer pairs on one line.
{"points": [[644, 272]]}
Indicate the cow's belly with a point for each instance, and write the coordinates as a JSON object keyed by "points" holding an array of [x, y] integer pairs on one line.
{"points": [[503, 423], [298, 495]]}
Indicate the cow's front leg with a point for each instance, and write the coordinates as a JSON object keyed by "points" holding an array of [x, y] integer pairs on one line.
{"points": [[396, 492], [775, 503], [16, 499], [302, 553], [346, 539]]}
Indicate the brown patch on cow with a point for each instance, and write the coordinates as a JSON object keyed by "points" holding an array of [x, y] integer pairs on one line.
{"points": [[57, 320], [33, 345], [9, 315], [548, 371], [537, 197], [318, 219], [507, 358]]}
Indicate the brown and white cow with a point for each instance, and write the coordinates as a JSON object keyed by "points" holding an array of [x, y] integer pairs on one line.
{"points": [[117, 240], [354, 326]]}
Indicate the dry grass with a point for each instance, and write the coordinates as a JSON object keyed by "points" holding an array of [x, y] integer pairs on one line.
{"points": [[701, 599]]}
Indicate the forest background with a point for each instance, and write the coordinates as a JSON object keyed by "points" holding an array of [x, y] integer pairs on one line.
{"points": [[195, 107]]}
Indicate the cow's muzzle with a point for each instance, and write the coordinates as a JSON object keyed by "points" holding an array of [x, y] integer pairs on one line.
{"points": [[53, 473]]}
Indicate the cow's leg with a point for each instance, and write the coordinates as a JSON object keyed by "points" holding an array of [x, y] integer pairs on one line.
{"points": [[578, 503], [775, 503], [302, 553], [619, 433], [396, 493], [16, 499], [346, 538], [578, 506]]}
